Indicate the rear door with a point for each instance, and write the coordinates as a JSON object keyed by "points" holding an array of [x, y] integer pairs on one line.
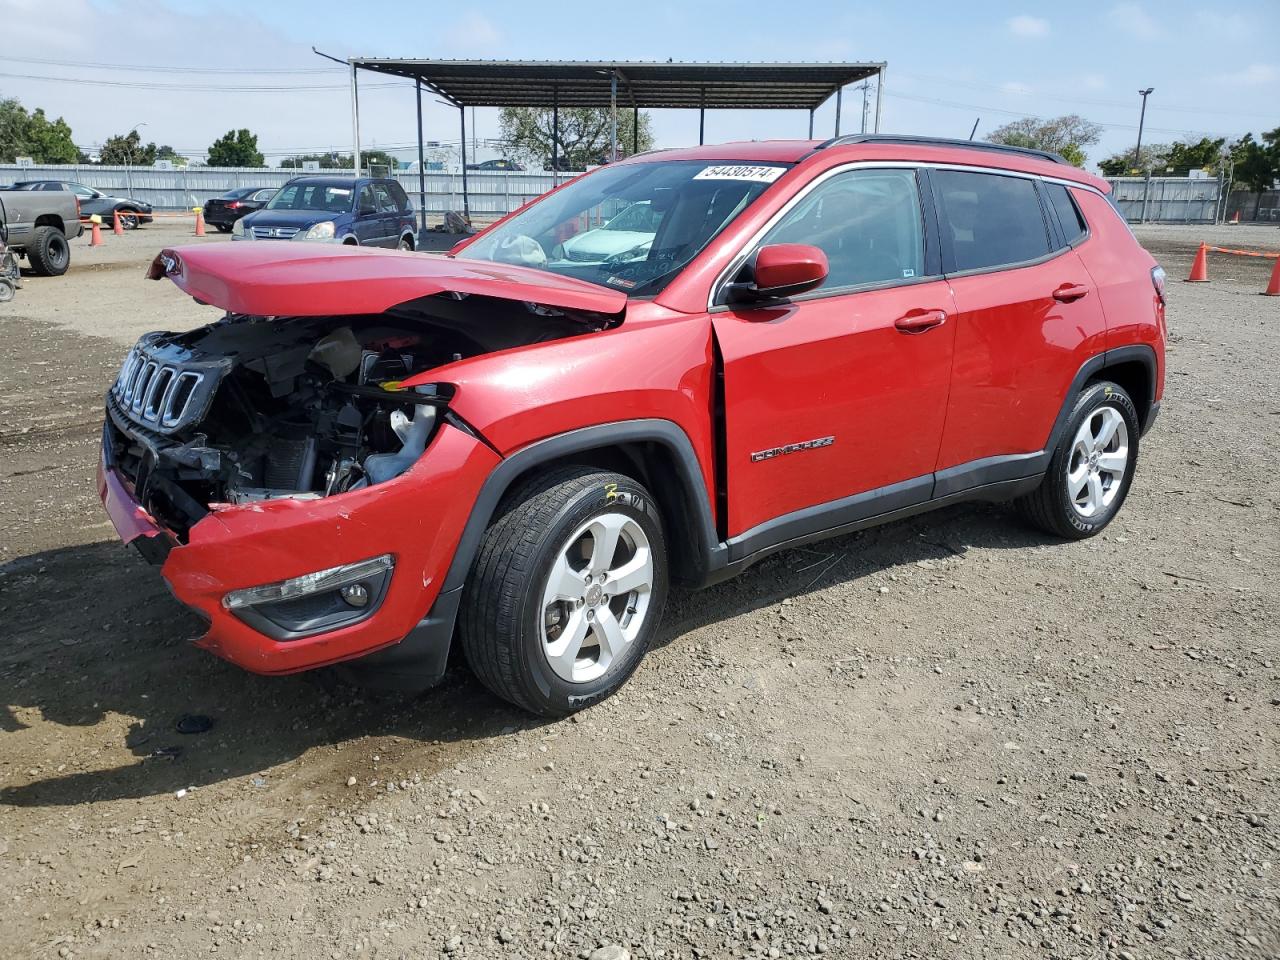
{"points": [[840, 392], [367, 225], [1027, 317], [389, 215]]}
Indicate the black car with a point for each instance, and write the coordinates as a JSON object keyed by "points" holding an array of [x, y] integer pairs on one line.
{"points": [[223, 212], [489, 166], [132, 212]]}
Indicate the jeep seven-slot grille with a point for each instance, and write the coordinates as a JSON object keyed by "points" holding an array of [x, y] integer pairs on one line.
{"points": [[154, 393]]}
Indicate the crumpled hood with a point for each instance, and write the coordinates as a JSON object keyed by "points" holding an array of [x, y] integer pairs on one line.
{"points": [[313, 280]]}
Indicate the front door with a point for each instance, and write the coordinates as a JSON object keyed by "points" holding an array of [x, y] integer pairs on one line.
{"points": [[840, 393]]}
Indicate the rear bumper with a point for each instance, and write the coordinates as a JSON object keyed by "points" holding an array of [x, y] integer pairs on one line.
{"points": [[418, 517]]}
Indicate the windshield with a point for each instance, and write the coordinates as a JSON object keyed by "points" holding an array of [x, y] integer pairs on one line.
{"points": [[665, 211], [327, 197]]}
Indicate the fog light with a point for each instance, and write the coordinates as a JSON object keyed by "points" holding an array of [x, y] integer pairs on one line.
{"points": [[309, 583], [356, 594]]}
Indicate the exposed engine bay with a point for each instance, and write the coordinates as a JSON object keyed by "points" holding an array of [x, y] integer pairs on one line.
{"points": [[259, 408]]}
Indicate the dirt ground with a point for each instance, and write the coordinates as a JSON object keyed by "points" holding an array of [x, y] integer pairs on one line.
{"points": [[949, 737]]}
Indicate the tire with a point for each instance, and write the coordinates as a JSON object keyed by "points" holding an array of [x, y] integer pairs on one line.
{"points": [[222, 227], [1067, 505], [406, 243], [554, 656], [128, 219], [49, 253], [6, 290], [350, 241]]}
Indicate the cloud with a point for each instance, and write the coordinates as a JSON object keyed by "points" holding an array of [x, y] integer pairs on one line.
{"points": [[1254, 75], [1093, 81], [1015, 88], [1025, 26], [1132, 19], [475, 33]]}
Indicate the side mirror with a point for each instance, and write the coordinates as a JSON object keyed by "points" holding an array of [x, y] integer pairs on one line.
{"points": [[783, 270]]}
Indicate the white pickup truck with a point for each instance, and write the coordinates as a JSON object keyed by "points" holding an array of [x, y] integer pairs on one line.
{"points": [[40, 226]]}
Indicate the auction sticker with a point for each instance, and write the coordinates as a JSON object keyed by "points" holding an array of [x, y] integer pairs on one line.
{"points": [[752, 174]]}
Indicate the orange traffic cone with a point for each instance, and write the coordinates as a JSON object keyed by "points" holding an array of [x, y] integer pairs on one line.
{"points": [[115, 224], [95, 236], [1236, 218], [1200, 269], [1273, 288], [199, 222]]}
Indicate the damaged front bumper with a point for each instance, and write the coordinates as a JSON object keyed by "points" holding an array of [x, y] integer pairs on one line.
{"points": [[416, 519]]}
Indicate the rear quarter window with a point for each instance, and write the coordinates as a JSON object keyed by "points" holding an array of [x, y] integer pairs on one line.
{"points": [[990, 220], [1069, 217]]}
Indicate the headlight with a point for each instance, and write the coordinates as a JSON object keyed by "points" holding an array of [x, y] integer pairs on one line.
{"points": [[239, 229], [324, 230]]}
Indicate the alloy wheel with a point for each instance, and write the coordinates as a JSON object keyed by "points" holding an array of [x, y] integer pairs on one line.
{"points": [[596, 596], [1099, 459]]}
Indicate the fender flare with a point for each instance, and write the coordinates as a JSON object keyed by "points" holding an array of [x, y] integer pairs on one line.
{"points": [[1140, 352], [584, 440]]}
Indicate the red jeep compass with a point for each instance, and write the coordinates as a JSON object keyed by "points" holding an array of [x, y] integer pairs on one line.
{"points": [[667, 368]]}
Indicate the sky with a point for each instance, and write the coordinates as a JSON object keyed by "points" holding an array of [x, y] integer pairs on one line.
{"points": [[949, 64]]}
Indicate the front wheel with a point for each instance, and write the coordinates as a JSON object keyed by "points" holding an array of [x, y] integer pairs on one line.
{"points": [[1092, 466], [128, 220], [567, 590]]}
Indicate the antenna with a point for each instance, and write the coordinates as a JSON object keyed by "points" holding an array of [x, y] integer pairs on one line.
{"points": [[975, 127]]}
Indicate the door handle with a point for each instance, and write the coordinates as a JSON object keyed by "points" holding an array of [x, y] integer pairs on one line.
{"points": [[918, 321], [1069, 292]]}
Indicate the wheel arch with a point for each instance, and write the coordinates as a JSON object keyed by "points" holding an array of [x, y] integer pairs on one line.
{"points": [[1132, 367], [51, 220], [656, 452]]}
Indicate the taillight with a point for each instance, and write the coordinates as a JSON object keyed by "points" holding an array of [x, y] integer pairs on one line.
{"points": [[77, 206], [233, 205], [1157, 281]]}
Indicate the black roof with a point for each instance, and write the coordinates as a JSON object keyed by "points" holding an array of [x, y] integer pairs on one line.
{"points": [[644, 85], [941, 142]]}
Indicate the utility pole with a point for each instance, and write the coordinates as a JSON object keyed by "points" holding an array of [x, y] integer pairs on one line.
{"points": [[865, 104], [1137, 151]]}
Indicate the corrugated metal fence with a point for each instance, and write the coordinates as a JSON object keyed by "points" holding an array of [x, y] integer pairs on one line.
{"points": [[492, 194], [1168, 199]]}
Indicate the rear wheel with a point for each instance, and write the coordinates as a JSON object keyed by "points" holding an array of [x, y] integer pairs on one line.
{"points": [[222, 227], [1092, 466], [6, 290], [49, 253], [566, 591]]}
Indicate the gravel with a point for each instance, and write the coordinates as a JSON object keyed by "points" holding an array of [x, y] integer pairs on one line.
{"points": [[961, 740]]}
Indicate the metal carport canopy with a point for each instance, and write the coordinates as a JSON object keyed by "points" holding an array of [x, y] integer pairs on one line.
{"points": [[643, 85]]}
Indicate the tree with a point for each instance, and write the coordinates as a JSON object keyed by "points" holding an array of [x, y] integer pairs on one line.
{"points": [[341, 161], [584, 134], [1067, 135], [1257, 164], [166, 152], [1121, 164], [34, 135], [126, 149], [236, 148]]}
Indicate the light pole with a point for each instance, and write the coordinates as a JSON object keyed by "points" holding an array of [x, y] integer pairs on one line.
{"points": [[1137, 151], [128, 163]]}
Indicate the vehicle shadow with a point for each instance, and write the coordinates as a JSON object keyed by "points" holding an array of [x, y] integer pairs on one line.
{"points": [[92, 636]]}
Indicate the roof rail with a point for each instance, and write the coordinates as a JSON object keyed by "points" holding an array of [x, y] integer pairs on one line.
{"points": [[940, 142]]}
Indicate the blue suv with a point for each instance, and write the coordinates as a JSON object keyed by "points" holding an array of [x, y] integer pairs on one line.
{"points": [[368, 211]]}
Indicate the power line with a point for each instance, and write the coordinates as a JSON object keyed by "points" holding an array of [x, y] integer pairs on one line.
{"points": [[1061, 98], [204, 87], [153, 68]]}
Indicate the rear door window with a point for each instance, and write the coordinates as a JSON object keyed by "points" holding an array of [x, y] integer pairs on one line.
{"points": [[1069, 218], [990, 220], [397, 191], [867, 222]]}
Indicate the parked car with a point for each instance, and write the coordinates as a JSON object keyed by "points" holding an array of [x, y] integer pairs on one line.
{"points": [[364, 211], [372, 454], [223, 212], [38, 226], [495, 165], [132, 212], [627, 236]]}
